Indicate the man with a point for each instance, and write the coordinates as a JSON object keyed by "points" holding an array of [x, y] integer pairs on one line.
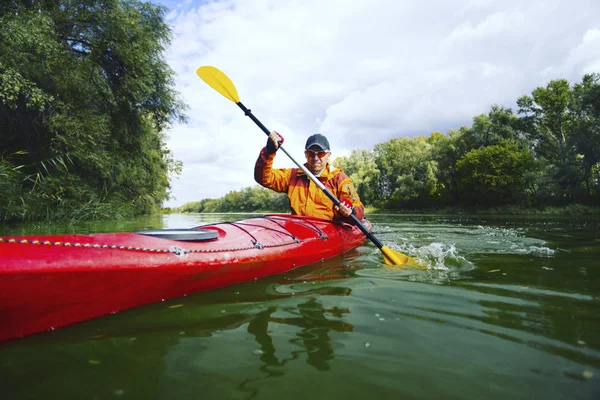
{"points": [[306, 198]]}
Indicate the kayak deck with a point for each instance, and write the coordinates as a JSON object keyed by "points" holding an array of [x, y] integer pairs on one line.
{"points": [[52, 281]]}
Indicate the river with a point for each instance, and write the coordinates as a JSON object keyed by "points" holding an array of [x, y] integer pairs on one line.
{"points": [[508, 308]]}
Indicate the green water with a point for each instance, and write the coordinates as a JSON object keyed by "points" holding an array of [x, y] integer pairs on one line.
{"points": [[508, 309]]}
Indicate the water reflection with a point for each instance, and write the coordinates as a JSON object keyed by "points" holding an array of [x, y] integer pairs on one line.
{"points": [[313, 336], [189, 340]]}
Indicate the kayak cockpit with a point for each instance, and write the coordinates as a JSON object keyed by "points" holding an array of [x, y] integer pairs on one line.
{"points": [[185, 235]]}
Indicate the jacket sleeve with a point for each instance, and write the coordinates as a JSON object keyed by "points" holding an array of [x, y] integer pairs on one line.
{"points": [[346, 191], [264, 174]]}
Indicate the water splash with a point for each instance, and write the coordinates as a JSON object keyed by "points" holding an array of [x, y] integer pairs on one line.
{"points": [[441, 256], [540, 251], [436, 256]]}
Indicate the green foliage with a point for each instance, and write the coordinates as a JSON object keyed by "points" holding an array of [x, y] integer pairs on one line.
{"points": [[562, 125], [362, 169], [408, 171], [498, 125], [11, 179], [494, 175], [86, 81], [550, 114], [586, 133], [250, 199]]}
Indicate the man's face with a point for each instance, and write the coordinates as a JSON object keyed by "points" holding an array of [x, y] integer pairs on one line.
{"points": [[316, 159]]}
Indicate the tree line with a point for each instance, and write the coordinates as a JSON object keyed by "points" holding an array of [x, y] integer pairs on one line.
{"points": [[545, 154], [85, 99]]}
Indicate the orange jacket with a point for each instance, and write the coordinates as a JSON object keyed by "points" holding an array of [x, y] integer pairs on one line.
{"points": [[305, 197]]}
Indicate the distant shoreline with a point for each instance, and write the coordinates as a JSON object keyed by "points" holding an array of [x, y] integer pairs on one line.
{"points": [[570, 210]]}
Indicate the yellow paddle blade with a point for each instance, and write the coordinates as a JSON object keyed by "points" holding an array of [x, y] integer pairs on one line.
{"points": [[392, 257], [218, 81]]}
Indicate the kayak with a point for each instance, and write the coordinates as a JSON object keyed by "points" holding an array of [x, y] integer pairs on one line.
{"points": [[52, 281]]}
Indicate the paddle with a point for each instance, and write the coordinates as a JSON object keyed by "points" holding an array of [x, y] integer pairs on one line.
{"points": [[222, 84]]}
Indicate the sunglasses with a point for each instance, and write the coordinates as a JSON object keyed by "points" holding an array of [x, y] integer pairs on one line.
{"points": [[311, 154]]}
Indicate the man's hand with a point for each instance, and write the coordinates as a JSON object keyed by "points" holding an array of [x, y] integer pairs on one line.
{"points": [[273, 142], [345, 209]]}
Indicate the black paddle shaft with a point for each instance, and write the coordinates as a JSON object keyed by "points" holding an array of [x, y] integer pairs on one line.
{"points": [[317, 182]]}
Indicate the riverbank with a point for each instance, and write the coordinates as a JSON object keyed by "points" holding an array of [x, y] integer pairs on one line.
{"points": [[572, 209]]}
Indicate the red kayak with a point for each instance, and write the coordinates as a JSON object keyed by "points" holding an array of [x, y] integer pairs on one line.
{"points": [[51, 281]]}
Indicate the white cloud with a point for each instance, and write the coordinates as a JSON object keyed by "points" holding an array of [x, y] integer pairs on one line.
{"points": [[359, 71], [584, 57]]}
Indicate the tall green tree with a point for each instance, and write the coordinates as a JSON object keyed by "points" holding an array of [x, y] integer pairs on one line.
{"points": [[492, 128], [548, 119], [586, 133], [446, 151], [85, 99]]}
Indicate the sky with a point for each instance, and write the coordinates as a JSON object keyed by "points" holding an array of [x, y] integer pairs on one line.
{"points": [[360, 72]]}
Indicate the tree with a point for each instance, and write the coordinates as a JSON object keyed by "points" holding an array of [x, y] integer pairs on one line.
{"points": [[249, 199], [446, 150], [492, 128], [85, 99], [586, 133], [408, 171], [548, 120], [494, 175]]}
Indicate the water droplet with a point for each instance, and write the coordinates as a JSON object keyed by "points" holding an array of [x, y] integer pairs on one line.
{"points": [[258, 352], [367, 344], [119, 392], [588, 374]]}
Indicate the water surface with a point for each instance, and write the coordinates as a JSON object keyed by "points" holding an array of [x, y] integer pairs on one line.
{"points": [[507, 308]]}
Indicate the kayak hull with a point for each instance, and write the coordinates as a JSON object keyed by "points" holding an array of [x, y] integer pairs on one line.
{"points": [[51, 281]]}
